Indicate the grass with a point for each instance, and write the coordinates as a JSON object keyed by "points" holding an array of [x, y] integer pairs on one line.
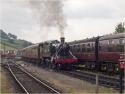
{"points": [[8, 46], [5, 87], [79, 66]]}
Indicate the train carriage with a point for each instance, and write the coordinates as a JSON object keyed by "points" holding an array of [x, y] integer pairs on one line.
{"points": [[36, 53], [110, 49], [29, 53], [84, 50], [104, 50], [8, 53]]}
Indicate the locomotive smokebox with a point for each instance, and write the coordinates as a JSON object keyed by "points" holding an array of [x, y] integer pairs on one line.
{"points": [[62, 39]]}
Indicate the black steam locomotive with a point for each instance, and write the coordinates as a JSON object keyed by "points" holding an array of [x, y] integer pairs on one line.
{"points": [[53, 54]]}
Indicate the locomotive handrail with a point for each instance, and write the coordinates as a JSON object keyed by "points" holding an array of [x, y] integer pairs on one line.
{"points": [[72, 54]]}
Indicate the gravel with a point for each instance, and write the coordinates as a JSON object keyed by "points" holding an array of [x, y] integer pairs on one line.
{"points": [[8, 84], [63, 82]]}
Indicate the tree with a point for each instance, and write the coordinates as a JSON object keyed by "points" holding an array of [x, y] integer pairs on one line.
{"points": [[3, 35], [120, 28], [12, 36], [11, 40]]}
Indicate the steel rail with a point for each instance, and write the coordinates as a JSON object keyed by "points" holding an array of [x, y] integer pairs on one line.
{"points": [[52, 89], [36, 79], [91, 78], [17, 79]]}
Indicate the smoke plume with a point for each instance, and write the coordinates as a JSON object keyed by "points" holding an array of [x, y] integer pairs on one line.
{"points": [[49, 13]]}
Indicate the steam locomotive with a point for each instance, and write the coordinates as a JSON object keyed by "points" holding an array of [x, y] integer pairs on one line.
{"points": [[102, 53], [98, 53], [52, 54]]}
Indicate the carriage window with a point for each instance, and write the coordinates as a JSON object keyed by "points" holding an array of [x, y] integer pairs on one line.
{"points": [[120, 48], [110, 42], [88, 44], [78, 48], [88, 47], [92, 46], [121, 41], [110, 47], [83, 48], [74, 48]]}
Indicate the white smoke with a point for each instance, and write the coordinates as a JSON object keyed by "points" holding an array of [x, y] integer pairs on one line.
{"points": [[49, 13]]}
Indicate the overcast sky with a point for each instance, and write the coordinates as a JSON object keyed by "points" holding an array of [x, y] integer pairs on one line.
{"points": [[85, 18]]}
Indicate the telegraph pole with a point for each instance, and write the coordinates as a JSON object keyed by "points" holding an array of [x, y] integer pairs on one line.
{"points": [[121, 75], [97, 64], [121, 67], [121, 81]]}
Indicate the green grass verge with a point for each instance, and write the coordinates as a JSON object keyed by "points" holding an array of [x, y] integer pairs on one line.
{"points": [[8, 46]]}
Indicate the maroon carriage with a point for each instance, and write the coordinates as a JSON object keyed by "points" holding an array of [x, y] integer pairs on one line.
{"points": [[104, 50], [110, 49]]}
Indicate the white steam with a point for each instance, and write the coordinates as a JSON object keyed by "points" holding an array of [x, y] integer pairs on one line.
{"points": [[49, 13]]}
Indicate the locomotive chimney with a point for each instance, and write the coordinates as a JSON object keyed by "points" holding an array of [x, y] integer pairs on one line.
{"points": [[62, 39]]}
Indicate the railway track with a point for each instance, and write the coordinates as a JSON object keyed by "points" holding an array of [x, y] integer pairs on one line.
{"points": [[28, 82], [104, 80]]}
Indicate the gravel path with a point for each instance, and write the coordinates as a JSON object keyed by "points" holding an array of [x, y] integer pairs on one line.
{"points": [[64, 83]]}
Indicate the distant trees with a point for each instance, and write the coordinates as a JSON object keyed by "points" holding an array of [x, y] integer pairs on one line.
{"points": [[24, 43], [12, 36], [120, 28], [3, 35], [13, 40]]}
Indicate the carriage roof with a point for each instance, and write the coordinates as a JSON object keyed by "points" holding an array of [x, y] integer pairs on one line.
{"points": [[104, 37], [36, 45], [113, 36], [83, 41]]}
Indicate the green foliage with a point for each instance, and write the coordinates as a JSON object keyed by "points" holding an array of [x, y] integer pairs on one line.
{"points": [[3, 35], [8, 46], [10, 41], [12, 36], [120, 28], [24, 43]]}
